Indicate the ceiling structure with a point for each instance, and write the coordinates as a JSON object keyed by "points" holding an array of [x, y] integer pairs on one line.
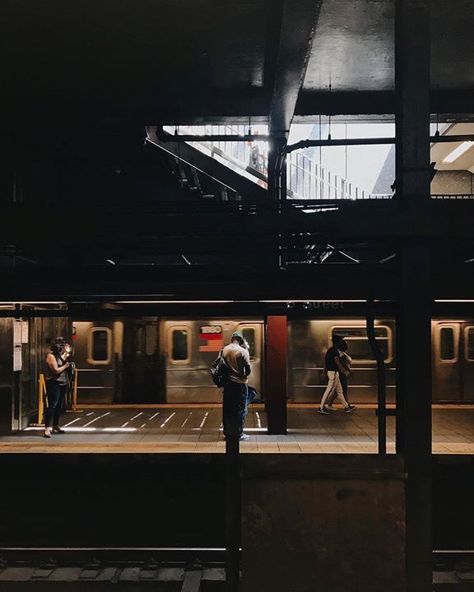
{"points": [[82, 80], [196, 60]]}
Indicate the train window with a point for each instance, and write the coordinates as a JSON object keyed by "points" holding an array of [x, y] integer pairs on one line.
{"points": [[179, 344], [358, 343], [469, 341], [249, 336], [99, 345], [447, 351]]}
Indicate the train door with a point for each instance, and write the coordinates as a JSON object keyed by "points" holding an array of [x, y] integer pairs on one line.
{"points": [[447, 367], [97, 350], [253, 333], [467, 356]]}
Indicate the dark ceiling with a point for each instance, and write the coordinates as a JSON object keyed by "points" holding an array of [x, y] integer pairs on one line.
{"points": [[207, 59]]}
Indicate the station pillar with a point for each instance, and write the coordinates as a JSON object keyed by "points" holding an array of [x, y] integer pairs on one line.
{"points": [[276, 373], [413, 176]]}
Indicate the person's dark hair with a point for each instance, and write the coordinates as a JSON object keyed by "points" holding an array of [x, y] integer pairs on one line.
{"points": [[343, 345], [336, 339], [57, 345]]}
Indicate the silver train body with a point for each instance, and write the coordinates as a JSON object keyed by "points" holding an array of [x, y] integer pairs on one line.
{"points": [[156, 360]]}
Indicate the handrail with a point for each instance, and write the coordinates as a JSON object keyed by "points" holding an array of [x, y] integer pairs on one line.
{"points": [[74, 390], [41, 398]]}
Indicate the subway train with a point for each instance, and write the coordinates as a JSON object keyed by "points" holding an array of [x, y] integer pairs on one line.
{"points": [[159, 360]]}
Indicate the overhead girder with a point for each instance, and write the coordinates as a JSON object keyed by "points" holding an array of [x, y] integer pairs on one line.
{"points": [[351, 222]]}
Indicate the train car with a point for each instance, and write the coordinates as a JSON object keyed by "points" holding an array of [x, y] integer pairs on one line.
{"points": [[453, 360], [159, 360], [191, 346], [98, 350]]}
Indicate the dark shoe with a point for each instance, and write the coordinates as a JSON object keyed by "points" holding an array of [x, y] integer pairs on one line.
{"points": [[323, 411], [58, 430], [349, 409]]}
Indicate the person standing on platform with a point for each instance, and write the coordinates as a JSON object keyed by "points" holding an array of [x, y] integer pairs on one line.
{"points": [[56, 385], [346, 362], [234, 408], [333, 368]]}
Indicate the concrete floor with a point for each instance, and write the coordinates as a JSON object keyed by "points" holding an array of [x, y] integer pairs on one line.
{"points": [[198, 429]]}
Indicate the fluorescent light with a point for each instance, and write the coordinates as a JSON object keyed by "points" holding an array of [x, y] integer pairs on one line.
{"points": [[174, 301], [457, 152], [291, 301], [463, 301], [33, 302]]}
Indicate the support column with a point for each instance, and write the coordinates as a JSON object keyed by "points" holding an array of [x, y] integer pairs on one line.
{"points": [[277, 189], [276, 374], [414, 407], [412, 85]]}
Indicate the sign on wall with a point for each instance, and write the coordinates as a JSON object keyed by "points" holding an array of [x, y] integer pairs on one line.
{"points": [[211, 338], [17, 357]]}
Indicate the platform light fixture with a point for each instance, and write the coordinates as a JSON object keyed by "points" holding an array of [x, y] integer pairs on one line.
{"points": [[457, 301], [175, 301], [457, 152], [33, 302]]}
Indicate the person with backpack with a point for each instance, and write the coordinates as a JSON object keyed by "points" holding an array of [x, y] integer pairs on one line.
{"points": [[234, 409]]}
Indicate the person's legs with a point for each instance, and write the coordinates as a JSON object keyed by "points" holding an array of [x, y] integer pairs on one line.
{"points": [[53, 394], [345, 389], [243, 407], [339, 393], [329, 389], [230, 409], [59, 407], [234, 408]]}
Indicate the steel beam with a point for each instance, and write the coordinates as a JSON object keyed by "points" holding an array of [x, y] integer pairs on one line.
{"points": [[414, 439], [353, 102], [297, 26], [187, 227]]}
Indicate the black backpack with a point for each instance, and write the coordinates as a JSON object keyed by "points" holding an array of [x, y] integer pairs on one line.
{"points": [[219, 371]]}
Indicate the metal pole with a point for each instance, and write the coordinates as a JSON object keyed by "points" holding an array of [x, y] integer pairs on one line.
{"points": [[381, 394], [233, 506]]}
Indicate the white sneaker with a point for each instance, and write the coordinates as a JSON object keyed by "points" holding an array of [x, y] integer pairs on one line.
{"points": [[47, 433], [244, 438]]}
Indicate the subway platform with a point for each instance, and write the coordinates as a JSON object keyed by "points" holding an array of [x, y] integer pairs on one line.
{"points": [[198, 429]]}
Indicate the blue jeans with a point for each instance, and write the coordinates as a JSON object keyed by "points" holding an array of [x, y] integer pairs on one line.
{"points": [[56, 393], [234, 408]]}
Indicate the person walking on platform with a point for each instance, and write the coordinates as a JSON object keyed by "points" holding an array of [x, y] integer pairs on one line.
{"points": [[56, 385], [333, 368], [346, 362], [234, 408]]}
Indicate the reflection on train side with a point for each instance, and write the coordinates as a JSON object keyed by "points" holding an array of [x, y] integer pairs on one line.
{"points": [[152, 360]]}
